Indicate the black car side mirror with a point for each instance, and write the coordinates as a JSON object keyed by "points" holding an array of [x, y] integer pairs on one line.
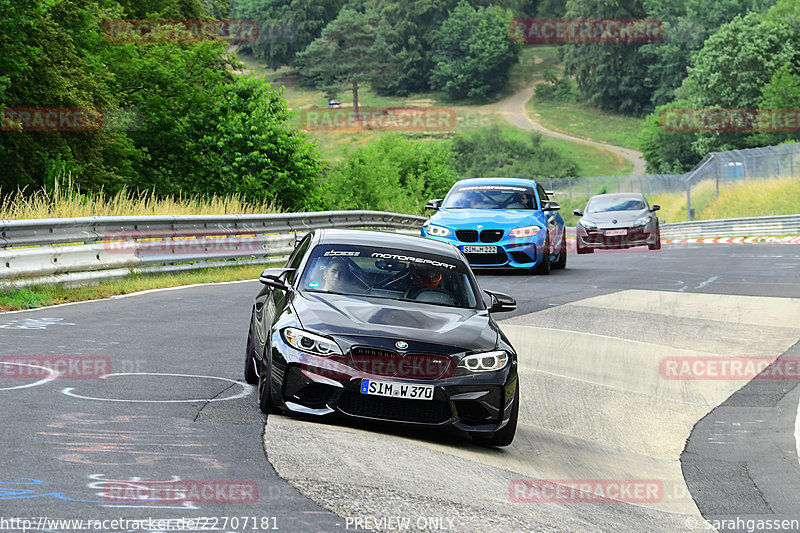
{"points": [[549, 205], [276, 277], [577, 212], [433, 204], [501, 303], [655, 207]]}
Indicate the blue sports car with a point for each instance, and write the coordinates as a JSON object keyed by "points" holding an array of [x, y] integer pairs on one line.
{"points": [[500, 223]]}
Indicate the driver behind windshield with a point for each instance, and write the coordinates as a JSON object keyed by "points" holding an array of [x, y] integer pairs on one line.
{"points": [[337, 276]]}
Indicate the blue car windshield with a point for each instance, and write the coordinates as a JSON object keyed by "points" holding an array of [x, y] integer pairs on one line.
{"points": [[490, 197], [600, 205]]}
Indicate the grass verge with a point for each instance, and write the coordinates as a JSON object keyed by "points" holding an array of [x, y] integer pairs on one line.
{"points": [[586, 122], [65, 201], [30, 297]]}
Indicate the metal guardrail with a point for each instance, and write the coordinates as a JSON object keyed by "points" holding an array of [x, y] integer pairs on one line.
{"points": [[733, 227], [76, 250]]}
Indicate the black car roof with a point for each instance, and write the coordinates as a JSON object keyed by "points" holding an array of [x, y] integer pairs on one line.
{"points": [[386, 239]]}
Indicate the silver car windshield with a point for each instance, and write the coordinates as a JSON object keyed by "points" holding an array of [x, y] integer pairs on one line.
{"points": [[600, 205]]}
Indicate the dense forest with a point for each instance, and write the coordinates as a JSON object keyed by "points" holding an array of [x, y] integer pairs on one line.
{"points": [[178, 118]]}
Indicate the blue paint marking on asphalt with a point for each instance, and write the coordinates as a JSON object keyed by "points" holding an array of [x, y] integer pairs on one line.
{"points": [[7, 493]]}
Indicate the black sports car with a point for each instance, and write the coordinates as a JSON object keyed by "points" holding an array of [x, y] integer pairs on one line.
{"points": [[387, 327]]}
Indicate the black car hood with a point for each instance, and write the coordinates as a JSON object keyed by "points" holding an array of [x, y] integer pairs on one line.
{"points": [[357, 316]]}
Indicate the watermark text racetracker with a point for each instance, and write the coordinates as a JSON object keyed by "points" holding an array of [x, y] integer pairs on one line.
{"points": [[729, 368], [730, 120], [586, 490], [388, 119], [533, 30], [200, 523], [57, 366]]}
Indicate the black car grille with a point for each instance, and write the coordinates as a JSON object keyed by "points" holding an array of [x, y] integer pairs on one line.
{"points": [[394, 409], [383, 362], [498, 258], [491, 235], [467, 235]]}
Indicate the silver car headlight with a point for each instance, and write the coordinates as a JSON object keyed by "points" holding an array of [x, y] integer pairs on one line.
{"points": [[641, 222], [586, 224], [311, 343], [437, 231], [485, 362]]}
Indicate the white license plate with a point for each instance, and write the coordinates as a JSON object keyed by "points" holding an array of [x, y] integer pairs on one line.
{"points": [[612, 232], [480, 249], [394, 389]]}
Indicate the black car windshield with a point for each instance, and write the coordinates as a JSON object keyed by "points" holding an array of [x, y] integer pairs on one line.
{"points": [[491, 197], [600, 205], [390, 274]]}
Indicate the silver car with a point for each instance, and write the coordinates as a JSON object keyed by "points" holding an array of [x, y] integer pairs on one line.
{"points": [[620, 220]]}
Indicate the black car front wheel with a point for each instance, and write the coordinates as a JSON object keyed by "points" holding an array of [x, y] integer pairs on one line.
{"points": [[544, 265], [505, 436], [250, 374], [265, 402], [561, 262]]}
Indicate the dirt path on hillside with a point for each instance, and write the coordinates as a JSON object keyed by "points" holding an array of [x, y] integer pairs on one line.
{"points": [[513, 110]]}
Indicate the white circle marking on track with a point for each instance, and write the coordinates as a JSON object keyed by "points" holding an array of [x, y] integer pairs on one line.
{"points": [[246, 389], [53, 375]]}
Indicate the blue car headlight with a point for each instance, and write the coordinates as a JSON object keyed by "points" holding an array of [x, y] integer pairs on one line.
{"points": [[436, 231], [525, 231], [485, 362], [310, 343]]}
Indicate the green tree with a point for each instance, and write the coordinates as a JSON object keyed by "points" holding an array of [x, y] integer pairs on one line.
{"points": [[497, 152], [732, 69], [782, 92], [609, 74], [350, 53], [392, 174], [410, 28], [686, 25], [667, 152], [287, 27], [474, 52]]}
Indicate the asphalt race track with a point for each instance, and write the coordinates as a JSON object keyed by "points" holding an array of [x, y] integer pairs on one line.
{"points": [[156, 395]]}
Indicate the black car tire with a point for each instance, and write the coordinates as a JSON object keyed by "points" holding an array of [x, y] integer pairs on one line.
{"points": [[505, 436], [580, 249], [656, 245], [544, 266], [250, 374], [265, 402], [561, 262]]}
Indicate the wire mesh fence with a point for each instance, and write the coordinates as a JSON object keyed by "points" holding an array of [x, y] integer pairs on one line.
{"points": [[721, 168]]}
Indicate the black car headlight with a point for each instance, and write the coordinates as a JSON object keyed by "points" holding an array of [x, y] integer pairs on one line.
{"points": [[485, 362], [311, 343]]}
